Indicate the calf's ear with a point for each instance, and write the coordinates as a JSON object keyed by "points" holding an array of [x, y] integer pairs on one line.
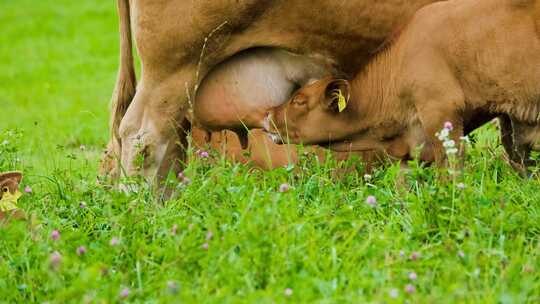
{"points": [[337, 95]]}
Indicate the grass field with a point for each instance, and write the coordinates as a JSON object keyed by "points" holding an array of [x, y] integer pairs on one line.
{"points": [[232, 236]]}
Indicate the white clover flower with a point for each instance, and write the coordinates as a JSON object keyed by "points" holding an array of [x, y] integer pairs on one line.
{"points": [[443, 135], [449, 143], [452, 151]]}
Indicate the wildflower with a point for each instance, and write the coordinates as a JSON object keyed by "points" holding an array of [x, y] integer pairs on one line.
{"points": [[372, 201], [450, 146], [204, 246], [367, 177], [449, 143], [124, 293], [172, 286], [393, 293], [401, 253], [461, 254], [288, 292], [114, 241], [55, 235], [55, 260], [183, 178], [27, 189], [209, 235], [284, 187], [443, 134], [415, 255], [461, 186], [412, 276], [82, 147], [203, 154], [452, 151], [409, 288], [81, 250], [174, 229], [82, 205]]}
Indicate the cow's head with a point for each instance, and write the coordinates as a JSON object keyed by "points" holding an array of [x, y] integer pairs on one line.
{"points": [[316, 114]]}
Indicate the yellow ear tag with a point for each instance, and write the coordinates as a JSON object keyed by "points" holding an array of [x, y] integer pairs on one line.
{"points": [[342, 102], [9, 201]]}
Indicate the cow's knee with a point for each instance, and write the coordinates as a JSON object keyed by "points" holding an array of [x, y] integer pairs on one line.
{"points": [[148, 152]]}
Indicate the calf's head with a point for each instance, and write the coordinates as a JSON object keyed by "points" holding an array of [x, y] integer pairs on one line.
{"points": [[316, 114]]}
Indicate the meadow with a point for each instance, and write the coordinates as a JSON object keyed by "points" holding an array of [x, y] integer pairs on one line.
{"points": [[233, 234]]}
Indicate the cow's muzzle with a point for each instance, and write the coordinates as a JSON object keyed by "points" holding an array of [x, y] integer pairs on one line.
{"points": [[271, 132]]}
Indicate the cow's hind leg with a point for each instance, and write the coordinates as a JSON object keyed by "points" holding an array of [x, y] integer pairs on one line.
{"points": [[507, 135], [153, 131]]}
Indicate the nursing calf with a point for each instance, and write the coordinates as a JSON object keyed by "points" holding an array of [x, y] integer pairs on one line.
{"points": [[237, 94], [454, 63]]}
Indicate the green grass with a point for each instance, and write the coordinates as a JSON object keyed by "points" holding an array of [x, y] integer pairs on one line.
{"points": [[320, 239]]}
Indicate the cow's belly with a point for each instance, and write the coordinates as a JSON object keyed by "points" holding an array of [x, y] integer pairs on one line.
{"points": [[238, 92]]}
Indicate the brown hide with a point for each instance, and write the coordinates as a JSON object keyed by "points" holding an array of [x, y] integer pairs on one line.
{"points": [[180, 41]]}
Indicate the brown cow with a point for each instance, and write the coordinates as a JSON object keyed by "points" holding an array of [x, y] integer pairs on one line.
{"points": [[453, 63], [180, 41]]}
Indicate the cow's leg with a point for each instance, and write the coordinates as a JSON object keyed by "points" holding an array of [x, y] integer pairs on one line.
{"points": [[524, 137], [507, 140], [152, 131], [175, 54]]}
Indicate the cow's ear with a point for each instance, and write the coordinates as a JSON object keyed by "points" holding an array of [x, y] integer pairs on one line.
{"points": [[337, 95]]}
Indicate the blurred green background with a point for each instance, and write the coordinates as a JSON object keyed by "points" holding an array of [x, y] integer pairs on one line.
{"points": [[58, 62]]}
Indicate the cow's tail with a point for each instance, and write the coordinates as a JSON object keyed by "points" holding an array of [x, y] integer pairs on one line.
{"points": [[126, 81], [537, 16]]}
